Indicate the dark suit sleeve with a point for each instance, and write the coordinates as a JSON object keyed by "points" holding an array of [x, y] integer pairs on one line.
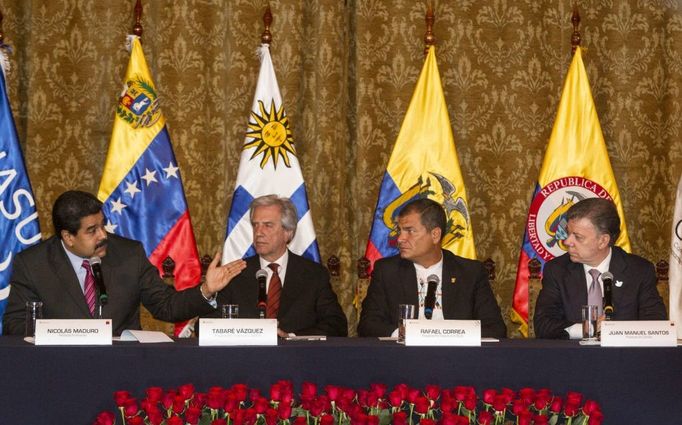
{"points": [[330, 319], [375, 318], [486, 309], [550, 318], [21, 291], [162, 300], [650, 304]]}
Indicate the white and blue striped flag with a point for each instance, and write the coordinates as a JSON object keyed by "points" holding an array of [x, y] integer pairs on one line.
{"points": [[19, 227], [268, 165]]}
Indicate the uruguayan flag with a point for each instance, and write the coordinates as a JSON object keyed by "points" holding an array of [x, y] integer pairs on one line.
{"points": [[268, 165]]}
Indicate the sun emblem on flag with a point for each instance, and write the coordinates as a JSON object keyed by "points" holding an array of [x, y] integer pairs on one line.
{"points": [[271, 135]]}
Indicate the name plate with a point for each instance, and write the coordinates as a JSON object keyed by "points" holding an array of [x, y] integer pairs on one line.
{"points": [[643, 333], [443, 332], [237, 332], [73, 332]]}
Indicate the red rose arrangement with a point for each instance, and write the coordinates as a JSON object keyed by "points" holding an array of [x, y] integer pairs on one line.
{"points": [[402, 405]]}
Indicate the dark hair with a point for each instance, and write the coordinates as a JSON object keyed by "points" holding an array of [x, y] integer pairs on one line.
{"points": [[602, 213], [70, 207], [431, 214]]}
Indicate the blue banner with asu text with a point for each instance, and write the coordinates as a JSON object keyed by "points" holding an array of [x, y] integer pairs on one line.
{"points": [[19, 227]]}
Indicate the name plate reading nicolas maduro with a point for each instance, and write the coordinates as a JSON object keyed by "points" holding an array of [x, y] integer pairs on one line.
{"points": [[73, 332], [237, 331], [443, 332], [641, 333]]}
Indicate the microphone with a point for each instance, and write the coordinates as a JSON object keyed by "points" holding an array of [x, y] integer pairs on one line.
{"points": [[262, 278], [607, 280], [96, 266], [430, 300]]}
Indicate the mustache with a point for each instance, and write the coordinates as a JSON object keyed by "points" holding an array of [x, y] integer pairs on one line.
{"points": [[102, 243]]}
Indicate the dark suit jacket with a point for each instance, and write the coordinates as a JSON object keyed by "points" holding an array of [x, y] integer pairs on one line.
{"points": [[564, 291], [394, 282], [308, 305], [44, 273]]}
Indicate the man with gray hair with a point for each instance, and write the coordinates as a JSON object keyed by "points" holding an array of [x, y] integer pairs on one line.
{"points": [[299, 294], [575, 278]]}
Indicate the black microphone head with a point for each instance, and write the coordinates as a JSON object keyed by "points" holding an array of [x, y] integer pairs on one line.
{"points": [[261, 274], [606, 276], [432, 278]]}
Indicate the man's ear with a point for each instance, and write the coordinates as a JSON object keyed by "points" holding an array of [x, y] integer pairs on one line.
{"points": [[66, 237], [436, 234], [604, 240]]}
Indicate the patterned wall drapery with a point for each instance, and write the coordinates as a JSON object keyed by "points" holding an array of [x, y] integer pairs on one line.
{"points": [[347, 69]]}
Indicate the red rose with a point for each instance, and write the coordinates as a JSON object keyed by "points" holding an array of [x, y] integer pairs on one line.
{"points": [[527, 395], [130, 407], [167, 399], [105, 418], [489, 396], [395, 399], [327, 420], [186, 391], [378, 389], [508, 394], [413, 394], [555, 407], [260, 405], [271, 416], [178, 404], [309, 390], [485, 418], [421, 405], [275, 392], [359, 419], [254, 394], [348, 394], [426, 421], [449, 419], [470, 403], [589, 407], [135, 420], [500, 403], [544, 392], [240, 391], [300, 420], [333, 392], [570, 409], [215, 400], [541, 401], [448, 405], [231, 403], [463, 392], [432, 392], [574, 398], [155, 418], [400, 418], [524, 418], [372, 400], [519, 406], [120, 397], [192, 415], [284, 411], [154, 393], [219, 422], [175, 420], [372, 420], [540, 420], [596, 418], [402, 389]]}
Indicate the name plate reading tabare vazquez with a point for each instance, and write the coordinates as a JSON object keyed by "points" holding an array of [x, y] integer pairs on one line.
{"points": [[237, 332], [73, 332], [643, 333], [443, 332]]}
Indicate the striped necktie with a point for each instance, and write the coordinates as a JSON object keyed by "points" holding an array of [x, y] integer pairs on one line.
{"points": [[274, 292], [89, 287]]}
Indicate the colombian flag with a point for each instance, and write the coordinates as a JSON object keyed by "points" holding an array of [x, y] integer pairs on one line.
{"points": [[423, 164], [576, 166], [141, 186]]}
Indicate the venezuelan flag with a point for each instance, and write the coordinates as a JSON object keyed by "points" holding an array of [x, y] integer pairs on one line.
{"points": [[141, 187], [423, 164], [576, 166]]}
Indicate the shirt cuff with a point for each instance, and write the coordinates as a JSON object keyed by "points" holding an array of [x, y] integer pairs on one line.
{"points": [[575, 331]]}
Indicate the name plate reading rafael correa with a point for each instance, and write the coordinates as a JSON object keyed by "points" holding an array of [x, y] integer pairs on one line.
{"points": [[73, 332], [443, 333], [640, 333], [237, 332]]}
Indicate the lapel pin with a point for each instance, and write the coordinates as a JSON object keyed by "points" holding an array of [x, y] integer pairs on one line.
{"points": [[619, 283], [453, 280]]}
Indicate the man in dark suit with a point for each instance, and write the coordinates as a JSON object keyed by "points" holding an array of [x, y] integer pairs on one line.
{"points": [[299, 294], [567, 281], [56, 273], [463, 291]]}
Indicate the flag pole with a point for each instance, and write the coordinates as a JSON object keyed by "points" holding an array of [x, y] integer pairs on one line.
{"points": [[137, 27], [266, 36], [429, 38], [575, 37]]}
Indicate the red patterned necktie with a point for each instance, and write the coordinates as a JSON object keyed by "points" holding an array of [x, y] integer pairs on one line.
{"points": [[274, 292], [89, 287]]}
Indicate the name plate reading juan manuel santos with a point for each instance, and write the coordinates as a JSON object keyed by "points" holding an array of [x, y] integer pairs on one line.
{"points": [[443, 332], [642, 333], [237, 331], [73, 332]]}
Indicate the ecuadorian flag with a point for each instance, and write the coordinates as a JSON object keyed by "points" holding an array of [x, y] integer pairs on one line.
{"points": [[576, 166], [423, 164], [141, 186], [268, 165]]}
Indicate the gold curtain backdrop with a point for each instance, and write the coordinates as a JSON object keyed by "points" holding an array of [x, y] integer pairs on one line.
{"points": [[347, 69]]}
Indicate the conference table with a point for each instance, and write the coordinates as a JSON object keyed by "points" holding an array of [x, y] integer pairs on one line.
{"points": [[71, 385]]}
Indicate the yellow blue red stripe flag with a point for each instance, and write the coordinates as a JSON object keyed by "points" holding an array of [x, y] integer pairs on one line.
{"points": [[19, 227], [141, 187], [576, 166], [268, 165], [423, 164]]}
